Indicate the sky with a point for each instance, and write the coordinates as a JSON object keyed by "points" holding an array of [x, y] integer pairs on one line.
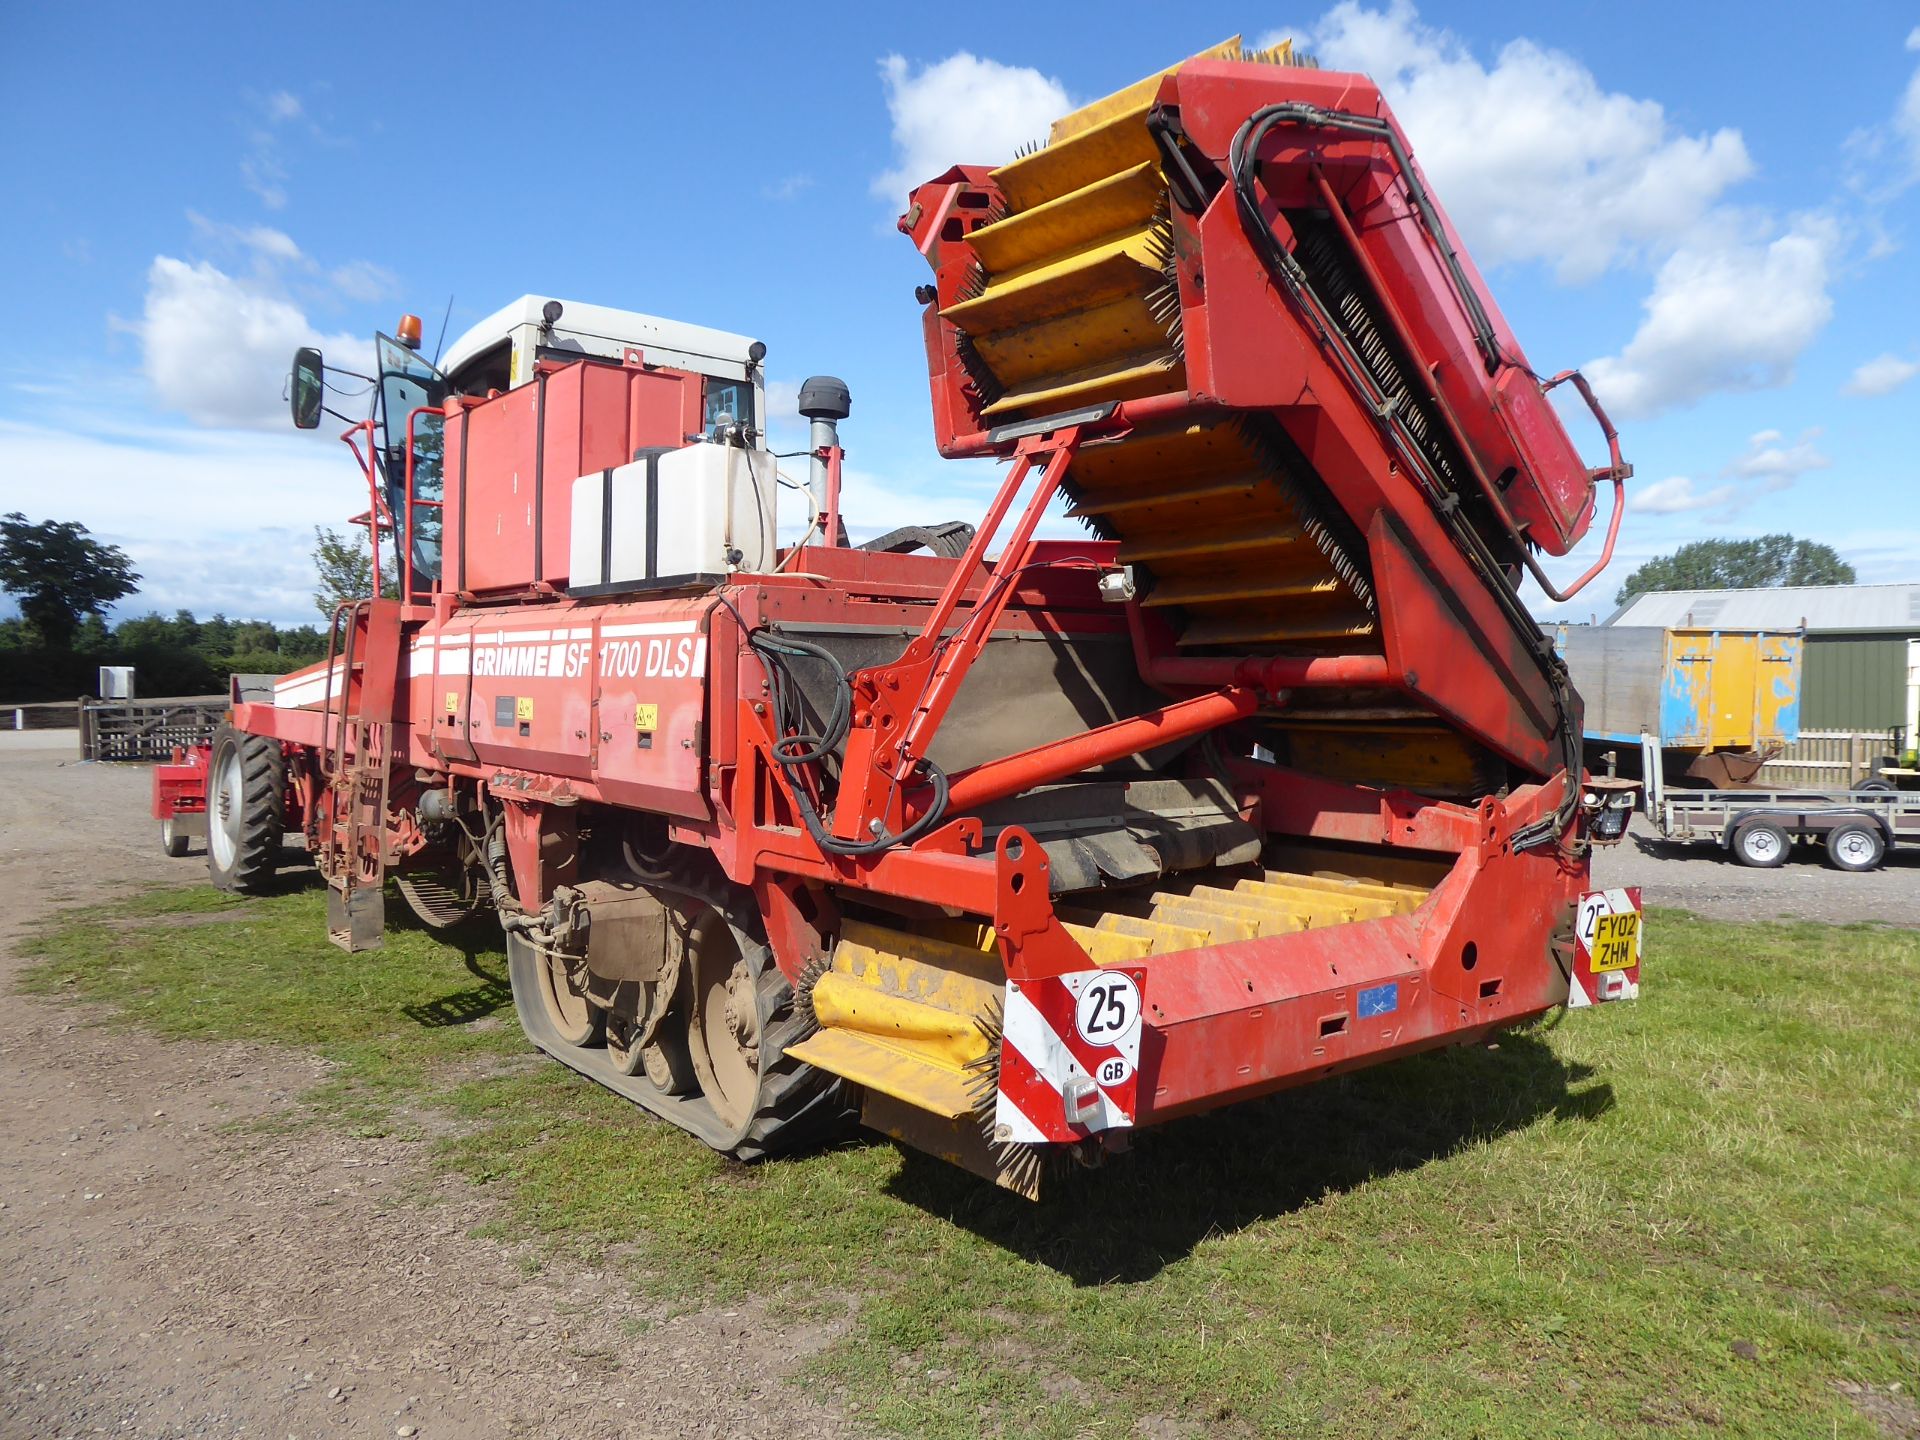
{"points": [[1713, 208]]}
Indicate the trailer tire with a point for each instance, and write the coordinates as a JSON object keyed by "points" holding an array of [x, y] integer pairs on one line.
{"points": [[1761, 844], [246, 810], [1857, 846], [172, 841]]}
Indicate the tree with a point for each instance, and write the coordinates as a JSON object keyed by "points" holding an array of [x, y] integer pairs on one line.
{"points": [[345, 567], [1769, 561], [59, 574]]}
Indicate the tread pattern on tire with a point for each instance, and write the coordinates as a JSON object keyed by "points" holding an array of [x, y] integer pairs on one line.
{"points": [[263, 810]]}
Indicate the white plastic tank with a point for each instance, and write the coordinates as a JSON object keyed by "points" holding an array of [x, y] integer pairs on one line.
{"points": [[673, 518]]}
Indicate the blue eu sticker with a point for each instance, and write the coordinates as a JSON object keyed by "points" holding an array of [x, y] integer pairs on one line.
{"points": [[1379, 999]]}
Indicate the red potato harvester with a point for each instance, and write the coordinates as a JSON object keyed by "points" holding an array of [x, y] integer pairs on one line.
{"points": [[1004, 845]]}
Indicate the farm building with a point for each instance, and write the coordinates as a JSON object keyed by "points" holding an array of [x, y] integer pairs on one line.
{"points": [[1856, 659]]}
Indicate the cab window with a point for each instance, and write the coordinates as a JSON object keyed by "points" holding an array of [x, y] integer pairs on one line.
{"points": [[728, 397], [406, 383]]}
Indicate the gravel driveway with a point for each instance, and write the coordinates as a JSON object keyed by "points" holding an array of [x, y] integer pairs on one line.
{"points": [[1703, 878]]}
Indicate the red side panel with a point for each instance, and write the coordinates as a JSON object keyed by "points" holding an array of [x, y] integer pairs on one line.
{"points": [[510, 499]]}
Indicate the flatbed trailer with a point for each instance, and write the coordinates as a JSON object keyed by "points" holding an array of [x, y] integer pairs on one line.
{"points": [[1856, 827]]}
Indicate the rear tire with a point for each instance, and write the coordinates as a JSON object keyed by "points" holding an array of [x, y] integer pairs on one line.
{"points": [[172, 841], [246, 810], [1761, 844], [1858, 847]]}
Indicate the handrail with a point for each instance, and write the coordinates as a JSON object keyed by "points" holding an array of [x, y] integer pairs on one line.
{"points": [[1617, 471], [377, 505]]}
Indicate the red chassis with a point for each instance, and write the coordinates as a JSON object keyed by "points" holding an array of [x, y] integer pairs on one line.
{"points": [[1491, 947]]}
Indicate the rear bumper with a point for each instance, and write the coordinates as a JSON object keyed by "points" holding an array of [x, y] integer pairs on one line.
{"points": [[1491, 947]]}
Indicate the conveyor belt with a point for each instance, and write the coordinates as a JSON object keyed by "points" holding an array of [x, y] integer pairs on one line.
{"points": [[1228, 527]]}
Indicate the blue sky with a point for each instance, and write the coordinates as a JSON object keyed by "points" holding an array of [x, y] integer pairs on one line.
{"points": [[1712, 206]]}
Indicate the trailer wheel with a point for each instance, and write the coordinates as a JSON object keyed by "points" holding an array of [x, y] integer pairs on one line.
{"points": [[171, 840], [1761, 844], [246, 809], [1856, 846]]}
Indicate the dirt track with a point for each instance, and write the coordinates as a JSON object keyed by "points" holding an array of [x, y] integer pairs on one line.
{"points": [[162, 1275]]}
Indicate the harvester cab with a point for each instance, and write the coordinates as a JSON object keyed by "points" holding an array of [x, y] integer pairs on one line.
{"points": [[405, 429], [1018, 846]]}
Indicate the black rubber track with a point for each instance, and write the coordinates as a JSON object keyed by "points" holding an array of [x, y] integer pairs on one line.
{"points": [[263, 809], [799, 1106]]}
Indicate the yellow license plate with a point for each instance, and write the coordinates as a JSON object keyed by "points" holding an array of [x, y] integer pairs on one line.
{"points": [[1616, 942]]}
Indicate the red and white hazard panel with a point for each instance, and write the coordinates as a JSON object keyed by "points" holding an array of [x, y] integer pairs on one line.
{"points": [[1069, 1055], [1606, 948]]}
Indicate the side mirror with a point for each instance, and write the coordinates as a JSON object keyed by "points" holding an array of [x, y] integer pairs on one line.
{"points": [[309, 387]]}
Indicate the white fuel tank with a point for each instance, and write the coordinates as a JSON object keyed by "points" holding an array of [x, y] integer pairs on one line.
{"points": [[674, 518]]}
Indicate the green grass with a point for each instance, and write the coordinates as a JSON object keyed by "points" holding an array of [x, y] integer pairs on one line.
{"points": [[1693, 1215]]}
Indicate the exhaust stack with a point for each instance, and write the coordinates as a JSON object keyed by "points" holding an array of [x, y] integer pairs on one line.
{"points": [[825, 402]]}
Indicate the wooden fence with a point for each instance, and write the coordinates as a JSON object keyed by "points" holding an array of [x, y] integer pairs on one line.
{"points": [[147, 729], [1827, 760]]}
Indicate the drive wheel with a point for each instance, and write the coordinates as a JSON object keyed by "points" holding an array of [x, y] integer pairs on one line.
{"points": [[246, 809], [575, 1018], [740, 1019], [171, 840], [1857, 846], [1761, 844]]}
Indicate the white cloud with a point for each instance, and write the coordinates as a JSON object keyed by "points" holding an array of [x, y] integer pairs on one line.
{"points": [[266, 244], [1677, 494], [1883, 160], [364, 281], [213, 520], [1771, 458], [963, 110], [787, 187], [216, 347], [1532, 158], [261, 168], [1727, 313], [1883, 374], [783, 402]]}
